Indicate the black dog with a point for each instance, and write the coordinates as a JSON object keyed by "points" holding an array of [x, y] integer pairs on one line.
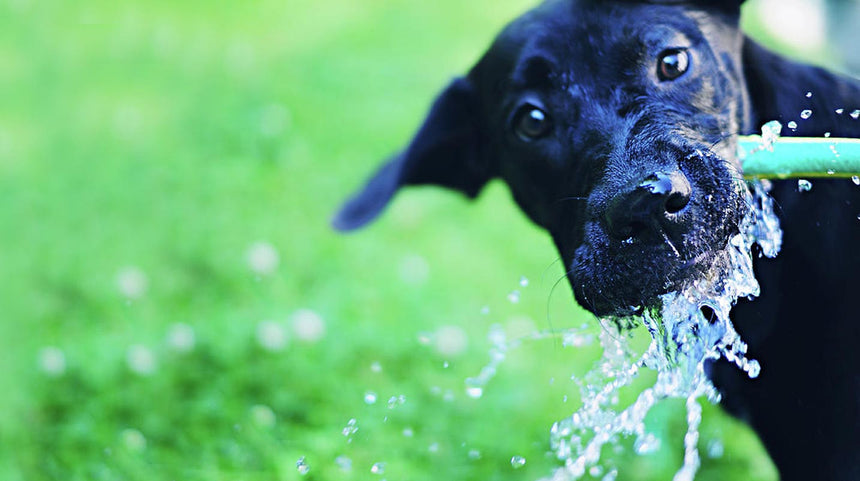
{"points": [[615, 123]]}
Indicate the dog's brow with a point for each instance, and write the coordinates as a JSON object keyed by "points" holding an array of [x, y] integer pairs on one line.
{"points": [[536, 71]]}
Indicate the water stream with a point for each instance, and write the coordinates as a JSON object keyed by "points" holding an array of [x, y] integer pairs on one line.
{"points": [[690, 328]]}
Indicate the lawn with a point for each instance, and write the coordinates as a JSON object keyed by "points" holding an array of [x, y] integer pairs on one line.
{"points": [[175, 305]]}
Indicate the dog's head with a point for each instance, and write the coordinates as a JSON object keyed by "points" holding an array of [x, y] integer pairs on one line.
{"points": [[614, 124]]}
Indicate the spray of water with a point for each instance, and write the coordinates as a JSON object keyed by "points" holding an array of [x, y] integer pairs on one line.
{"points": [[690, 328]]}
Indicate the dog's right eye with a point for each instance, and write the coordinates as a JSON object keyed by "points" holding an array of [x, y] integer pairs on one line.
{"points": [[531, 122], [672, 64]]}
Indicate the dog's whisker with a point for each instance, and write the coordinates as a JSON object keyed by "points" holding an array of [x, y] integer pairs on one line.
{"points": [[724, 136], [564, 199], [671, 244]]}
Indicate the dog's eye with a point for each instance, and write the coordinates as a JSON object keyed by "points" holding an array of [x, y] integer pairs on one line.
{"points": [[531, 122], [672, 64]]}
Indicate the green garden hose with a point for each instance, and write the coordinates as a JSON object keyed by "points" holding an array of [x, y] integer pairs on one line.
{"points": [[800, 157]]}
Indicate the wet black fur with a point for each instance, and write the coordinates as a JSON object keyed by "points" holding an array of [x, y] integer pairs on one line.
{"points": [[591, 65]]}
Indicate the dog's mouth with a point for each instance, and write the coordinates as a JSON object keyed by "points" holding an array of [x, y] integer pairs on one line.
{"points": [[619, 272], [624, 280]]}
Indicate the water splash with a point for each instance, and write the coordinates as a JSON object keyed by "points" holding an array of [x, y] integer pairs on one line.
{"points": [[378, 468], [344, 463], [690, 328], [770, 133], [302, 466]]}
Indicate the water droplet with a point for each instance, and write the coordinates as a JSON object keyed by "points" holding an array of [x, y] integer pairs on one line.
{"points": [[855, 179], [395, 401], [451, 341], [715, 449], [425, 338], [485, 310], [132, 282], [855, 114], [262, 258], [408, 432], [612, 475], [646, 444], [378, 468], [433, 448], [133, 440], [770, 133], [344, 463], [792, 125], [839, 111], [350, 428], [576, 339], [308, 325], [370, 397], [754, 369], [524, 282], [514, 297], [806, 114], [474, 454], [52, 361], [804, 185], [271, 336], [140, 360], [475, 392], [302, 466], [263, 416], [180, 337], [826, 135], [518, 462], [809, 95], [830, 171]]}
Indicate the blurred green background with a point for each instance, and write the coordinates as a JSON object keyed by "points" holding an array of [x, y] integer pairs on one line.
{"points": [[174, 304]]}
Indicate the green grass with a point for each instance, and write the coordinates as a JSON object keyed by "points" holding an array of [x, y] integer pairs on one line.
{"points": [[171, 137]]}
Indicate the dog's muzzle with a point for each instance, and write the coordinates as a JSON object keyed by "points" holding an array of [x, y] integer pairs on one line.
{"points": [[651, 209]]}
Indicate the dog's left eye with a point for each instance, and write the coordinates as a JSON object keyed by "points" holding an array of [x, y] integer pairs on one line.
{"points": [[672, 64], [531, 122]]}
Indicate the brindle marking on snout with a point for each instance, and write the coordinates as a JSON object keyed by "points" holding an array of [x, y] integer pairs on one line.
{"points": [[634, 107]]}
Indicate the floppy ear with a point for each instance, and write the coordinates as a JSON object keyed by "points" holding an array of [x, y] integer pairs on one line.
{"points": [[446, 151], [730, 4], [818, 101]]}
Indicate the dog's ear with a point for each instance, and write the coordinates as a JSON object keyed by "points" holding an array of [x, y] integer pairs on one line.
{"points": [[444, 152], [730, 4], [816, 100]]}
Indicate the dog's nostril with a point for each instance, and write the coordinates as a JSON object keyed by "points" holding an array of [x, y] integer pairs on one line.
{"points": [[672, 187], [676, 202], [644, 210]]}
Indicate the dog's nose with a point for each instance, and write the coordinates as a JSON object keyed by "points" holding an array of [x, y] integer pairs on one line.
{"points": [[651, 207]]}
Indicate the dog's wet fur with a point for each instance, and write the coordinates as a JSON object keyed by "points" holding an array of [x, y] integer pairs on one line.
{"points": [[615, 125]]}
